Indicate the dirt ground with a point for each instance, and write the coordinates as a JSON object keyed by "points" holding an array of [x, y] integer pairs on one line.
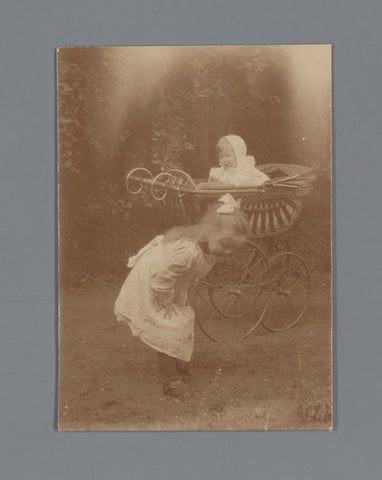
{"points": [[108, 380]]}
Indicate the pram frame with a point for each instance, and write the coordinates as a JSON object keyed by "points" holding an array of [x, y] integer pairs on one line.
{"points": [[272, 209]]}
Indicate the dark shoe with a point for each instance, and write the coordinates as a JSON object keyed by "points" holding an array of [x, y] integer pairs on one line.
{"points": [[183, 368], [177, 389]]}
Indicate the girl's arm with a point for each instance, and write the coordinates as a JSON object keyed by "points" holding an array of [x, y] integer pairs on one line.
{"points": [[165, 271]]}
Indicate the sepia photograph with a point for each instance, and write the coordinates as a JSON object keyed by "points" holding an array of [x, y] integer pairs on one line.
{"points": [[194, 192]]}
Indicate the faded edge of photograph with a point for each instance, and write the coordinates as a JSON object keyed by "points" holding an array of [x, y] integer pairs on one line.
{"points": [[194, 238]]}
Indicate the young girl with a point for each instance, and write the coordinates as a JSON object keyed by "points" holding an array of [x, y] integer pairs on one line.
{"points": [[236, 167], [153, 300]]}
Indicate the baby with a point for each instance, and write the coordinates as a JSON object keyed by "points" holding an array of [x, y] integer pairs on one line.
{"points": [[236, 167]]}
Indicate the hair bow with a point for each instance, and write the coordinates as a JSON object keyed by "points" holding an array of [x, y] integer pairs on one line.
{"points": [[229, 204]]}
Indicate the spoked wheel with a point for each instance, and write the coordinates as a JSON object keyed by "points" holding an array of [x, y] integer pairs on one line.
{"points": [[278, 245], [232, 300], [290, 286]]}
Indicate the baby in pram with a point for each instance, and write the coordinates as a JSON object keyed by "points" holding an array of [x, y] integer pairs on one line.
{"points": [[236, 167]]}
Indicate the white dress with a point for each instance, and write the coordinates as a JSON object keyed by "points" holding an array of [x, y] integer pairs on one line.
{"points": [[153, 299], [238, 177], [245, 174]]}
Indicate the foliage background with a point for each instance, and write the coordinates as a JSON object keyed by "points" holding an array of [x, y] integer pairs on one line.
{"points": [[162, 107]]}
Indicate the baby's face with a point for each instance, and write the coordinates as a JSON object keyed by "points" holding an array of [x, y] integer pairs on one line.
{"points": [[227, 157]]}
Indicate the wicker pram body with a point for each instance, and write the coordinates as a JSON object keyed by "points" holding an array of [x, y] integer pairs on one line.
{"points": [[272, 208]]}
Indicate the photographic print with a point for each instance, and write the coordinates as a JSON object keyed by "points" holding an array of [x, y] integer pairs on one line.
{"points": [[194, 237]]}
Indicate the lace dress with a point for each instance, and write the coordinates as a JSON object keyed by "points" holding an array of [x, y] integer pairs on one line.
{"points": [[153, 300], [245, 174]]}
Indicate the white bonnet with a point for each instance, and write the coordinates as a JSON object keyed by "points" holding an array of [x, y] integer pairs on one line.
{"points": [[240, 149]]}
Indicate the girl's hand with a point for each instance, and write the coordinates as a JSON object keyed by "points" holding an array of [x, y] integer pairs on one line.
{"points": [[163, 299]]}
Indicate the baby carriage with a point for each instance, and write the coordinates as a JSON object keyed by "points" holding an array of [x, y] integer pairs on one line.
{"points": [[254, 285]]}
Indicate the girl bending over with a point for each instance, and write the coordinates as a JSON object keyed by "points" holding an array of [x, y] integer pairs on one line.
{"points": [[153, 300]]}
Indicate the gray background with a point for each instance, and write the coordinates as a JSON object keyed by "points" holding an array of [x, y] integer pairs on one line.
{"points": [[29, 445]]}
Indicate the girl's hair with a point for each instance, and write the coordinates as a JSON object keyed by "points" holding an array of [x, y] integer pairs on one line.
{"points": [[233, 224]]}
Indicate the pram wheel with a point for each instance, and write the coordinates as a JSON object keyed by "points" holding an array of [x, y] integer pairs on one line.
{"points": [[231, 301], [290, 286]]}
